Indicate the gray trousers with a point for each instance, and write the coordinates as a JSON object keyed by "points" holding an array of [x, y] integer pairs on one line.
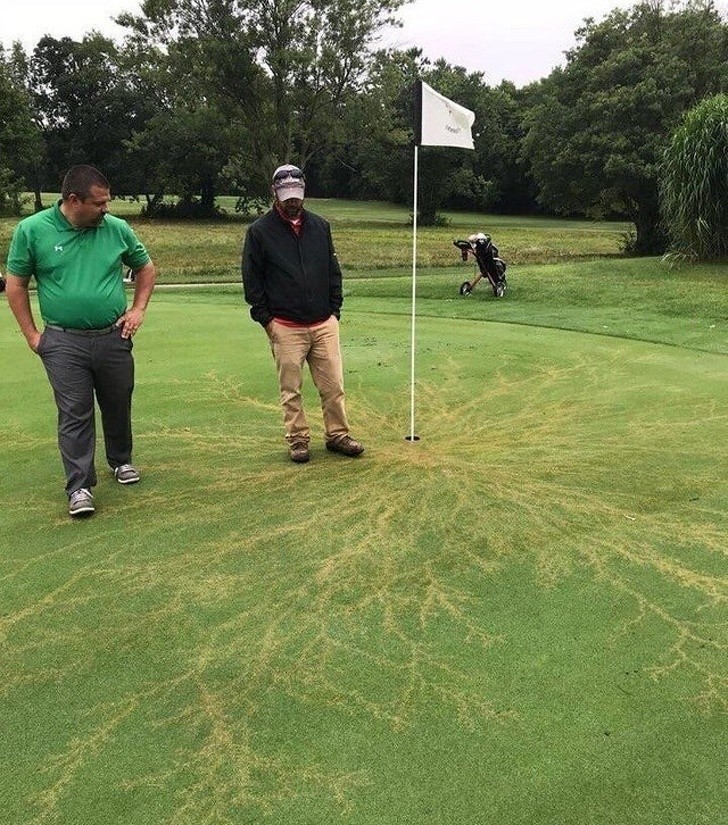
{"points": [[79, 366]]}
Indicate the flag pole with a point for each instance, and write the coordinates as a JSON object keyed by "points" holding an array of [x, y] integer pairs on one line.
{"points": [[412, 436], [438, 121]]}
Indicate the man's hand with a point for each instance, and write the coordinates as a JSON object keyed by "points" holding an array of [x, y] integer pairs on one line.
{"points": [[130, 322], [34, 340], [133, 318], [19, 302]]}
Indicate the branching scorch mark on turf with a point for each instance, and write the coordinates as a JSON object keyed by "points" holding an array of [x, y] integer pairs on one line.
{"points": [[360, 586]]}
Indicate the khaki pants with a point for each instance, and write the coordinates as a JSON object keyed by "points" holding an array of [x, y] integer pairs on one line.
{"points": [[319, 346]]}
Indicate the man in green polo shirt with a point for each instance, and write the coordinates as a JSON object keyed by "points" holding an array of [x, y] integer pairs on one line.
{"points": [[76, 252]]}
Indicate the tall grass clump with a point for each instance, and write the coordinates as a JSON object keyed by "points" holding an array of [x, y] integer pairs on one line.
{"points": [[695, 182]]}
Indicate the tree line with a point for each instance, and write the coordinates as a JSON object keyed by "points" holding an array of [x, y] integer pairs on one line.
{"points": [[204, 97]]}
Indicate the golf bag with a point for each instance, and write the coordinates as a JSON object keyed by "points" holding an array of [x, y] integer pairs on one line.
{"points": [[490, 266]]}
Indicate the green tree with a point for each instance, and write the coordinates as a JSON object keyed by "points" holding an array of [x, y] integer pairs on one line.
{"points": [[490, 178], [376, 158], [182, 152], [20, 144], [87, 105], [280, 70], [448, 175], [372, 156], [500, 133], [695, 182], [598, 128]]}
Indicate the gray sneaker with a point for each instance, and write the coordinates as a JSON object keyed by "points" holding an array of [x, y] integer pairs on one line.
{"points": [[80, 503], [126, 474]]}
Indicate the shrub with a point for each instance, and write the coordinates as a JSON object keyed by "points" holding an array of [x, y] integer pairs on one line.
{"points": [[695, 182]]}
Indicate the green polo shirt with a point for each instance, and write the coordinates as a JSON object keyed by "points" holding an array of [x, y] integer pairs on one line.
{"points": [[78, 271]]}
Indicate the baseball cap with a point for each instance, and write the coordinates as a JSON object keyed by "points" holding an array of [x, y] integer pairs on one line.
{"points": [[288, 182]]}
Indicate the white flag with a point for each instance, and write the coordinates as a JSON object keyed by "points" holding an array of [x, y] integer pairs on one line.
{"points": [[442, 122]]}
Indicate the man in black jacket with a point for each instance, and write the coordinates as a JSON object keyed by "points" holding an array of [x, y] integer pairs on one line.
{"points": [[292, 281]]}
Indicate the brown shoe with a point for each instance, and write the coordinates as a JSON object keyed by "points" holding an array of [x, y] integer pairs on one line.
{"points": [[298, 451], [346, 446]]}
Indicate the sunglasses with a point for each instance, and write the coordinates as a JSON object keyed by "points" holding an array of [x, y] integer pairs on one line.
{"points": [[287, 174]]}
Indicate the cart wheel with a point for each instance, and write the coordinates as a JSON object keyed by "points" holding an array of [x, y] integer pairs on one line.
{"points": [[466, 288]]}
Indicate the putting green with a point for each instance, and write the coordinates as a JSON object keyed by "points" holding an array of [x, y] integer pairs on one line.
{"points": [[518, 619]]}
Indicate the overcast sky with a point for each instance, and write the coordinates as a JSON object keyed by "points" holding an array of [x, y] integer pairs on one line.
{"points": [[517, 40]]}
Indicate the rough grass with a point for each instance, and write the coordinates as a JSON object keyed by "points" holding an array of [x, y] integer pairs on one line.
{"points": [[368, 236]]}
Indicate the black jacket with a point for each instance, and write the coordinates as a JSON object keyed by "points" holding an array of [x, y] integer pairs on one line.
{"points": [[297, 278]]}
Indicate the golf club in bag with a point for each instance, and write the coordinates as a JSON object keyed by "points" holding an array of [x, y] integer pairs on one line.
{"points": [[490, 266]]}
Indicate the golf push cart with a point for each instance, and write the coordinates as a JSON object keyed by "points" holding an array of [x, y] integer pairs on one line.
{"points": [[490, 266]]}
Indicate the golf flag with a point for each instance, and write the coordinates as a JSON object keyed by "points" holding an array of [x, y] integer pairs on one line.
{"points": [[439, 121]]}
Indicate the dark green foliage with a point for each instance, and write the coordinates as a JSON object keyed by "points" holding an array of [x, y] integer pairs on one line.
{"points": [[20, 145], [186, 208], [280, 74], [205, 98], [599, 127], [376, 159], [87, 105], [250, 208], [695, 182]]}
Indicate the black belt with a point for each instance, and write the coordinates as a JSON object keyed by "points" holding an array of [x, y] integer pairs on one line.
{"points": [[102, 331]]}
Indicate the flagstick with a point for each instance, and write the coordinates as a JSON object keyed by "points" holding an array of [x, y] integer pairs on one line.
{"points": [[438, 121], [412, 436]]}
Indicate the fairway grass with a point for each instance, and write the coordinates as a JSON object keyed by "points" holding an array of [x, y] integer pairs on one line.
{"points": [[518, 620]]}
